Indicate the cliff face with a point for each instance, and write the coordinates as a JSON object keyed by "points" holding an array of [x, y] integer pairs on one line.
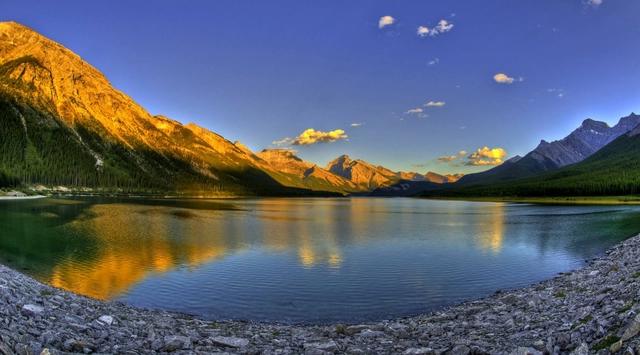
{"points": [[362, 173]]}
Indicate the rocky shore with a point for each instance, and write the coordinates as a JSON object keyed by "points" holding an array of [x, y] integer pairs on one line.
{"points": [[595, 309]]}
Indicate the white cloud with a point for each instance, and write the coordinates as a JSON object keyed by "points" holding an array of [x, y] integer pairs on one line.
{"points": [[502, 78], [435, 104], [486, 156], [433, 61], [423, 31], [386, 21], [357, 124], [443, 26], [311, 136], [414, 111], [594, 3]]}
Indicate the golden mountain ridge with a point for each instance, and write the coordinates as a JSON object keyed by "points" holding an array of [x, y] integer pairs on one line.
{"points": [[77, 129]]}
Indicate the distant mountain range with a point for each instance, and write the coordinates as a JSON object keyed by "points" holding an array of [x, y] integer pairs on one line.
{"points": [[63, 124], [614, 170], [587, 139]]}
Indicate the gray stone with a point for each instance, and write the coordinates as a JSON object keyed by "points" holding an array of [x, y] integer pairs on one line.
{"points": [[368, 333], [615, 347], [583, 349], [526, 351], [176, 342], [230, 342], [355, 329], [419, 351], [326, 346], [632, 330], [459, 350], [108, 320], [32, 309]]}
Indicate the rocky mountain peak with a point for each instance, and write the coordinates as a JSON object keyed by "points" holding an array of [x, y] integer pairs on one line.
{"points": [[628, 123], [593, 124]]}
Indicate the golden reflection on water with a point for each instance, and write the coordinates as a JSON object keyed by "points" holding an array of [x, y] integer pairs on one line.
{"points": [[133, 242], [315, 242], [136, 241], [490, 233]]}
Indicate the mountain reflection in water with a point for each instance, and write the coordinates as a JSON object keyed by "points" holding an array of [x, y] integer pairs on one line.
{"points": [[300, 259]]}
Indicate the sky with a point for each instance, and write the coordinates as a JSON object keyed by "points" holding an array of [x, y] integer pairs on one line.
{"points": [[417, 85]]}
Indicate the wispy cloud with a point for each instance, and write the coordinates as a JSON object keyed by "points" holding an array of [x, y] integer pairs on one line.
{"points": [[435, 104], [443, 26], [559, 93], [433, 61], [486, 156], [447, 158], [453, 157], [414, 111], [357, 124], [283, 142], [386, 21], [594, 3], [502, 78]]}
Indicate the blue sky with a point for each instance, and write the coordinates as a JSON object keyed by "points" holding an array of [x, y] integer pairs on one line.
{"points": [[261, 71]]}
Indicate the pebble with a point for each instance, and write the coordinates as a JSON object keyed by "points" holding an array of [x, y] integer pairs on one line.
{"points": [[108, 320], [32, 309]]}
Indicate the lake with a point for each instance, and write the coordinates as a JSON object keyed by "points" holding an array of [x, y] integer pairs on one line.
{"points": [[301, 260]]}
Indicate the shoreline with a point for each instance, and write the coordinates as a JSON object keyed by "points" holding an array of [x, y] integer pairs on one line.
{"points": [[16, 198], [594, 309]]}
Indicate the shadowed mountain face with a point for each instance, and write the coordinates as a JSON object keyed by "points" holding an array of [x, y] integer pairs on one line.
{"points": [[587, 139]]}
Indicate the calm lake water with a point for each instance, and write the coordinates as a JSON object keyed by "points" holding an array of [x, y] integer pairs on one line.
{"points": [[301, 260]]}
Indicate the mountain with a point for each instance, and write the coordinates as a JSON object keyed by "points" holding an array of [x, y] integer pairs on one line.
{"points": [[304, 174], [614, 170], [381, 181], [587, 139], [63, 123], [363, 174], [442, 179]]}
